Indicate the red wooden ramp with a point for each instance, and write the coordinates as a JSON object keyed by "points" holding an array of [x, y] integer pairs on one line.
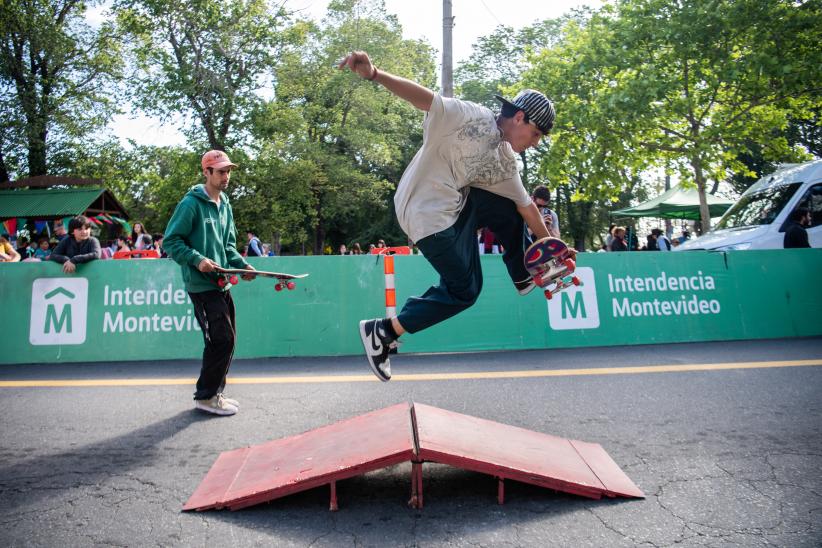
{"points": [[408, 432]]}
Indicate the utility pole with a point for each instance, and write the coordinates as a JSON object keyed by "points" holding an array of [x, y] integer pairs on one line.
{"points": [[447, 50], [669, 226]]}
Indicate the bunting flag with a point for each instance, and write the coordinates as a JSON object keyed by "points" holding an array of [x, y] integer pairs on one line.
{"points": [[21, 224], [95, 221], [102, 217], [10, 226], [122, 222], [40, 226]]}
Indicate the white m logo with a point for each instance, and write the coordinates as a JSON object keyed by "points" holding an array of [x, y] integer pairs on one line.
{"points": [[576, 307], [59, 308]]}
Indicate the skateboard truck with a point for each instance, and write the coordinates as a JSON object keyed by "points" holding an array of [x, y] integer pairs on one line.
{"points": [[549, 262]]}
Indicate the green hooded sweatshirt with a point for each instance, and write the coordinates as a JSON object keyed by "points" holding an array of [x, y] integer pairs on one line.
{"points": [[200, 229]]}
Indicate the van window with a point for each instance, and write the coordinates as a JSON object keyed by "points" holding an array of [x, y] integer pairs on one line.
{"points": [[759, 208], [813, 201]]}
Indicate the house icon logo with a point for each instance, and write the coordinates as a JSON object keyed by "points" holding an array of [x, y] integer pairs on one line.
{"points": [[59, 309], [576, 307]]}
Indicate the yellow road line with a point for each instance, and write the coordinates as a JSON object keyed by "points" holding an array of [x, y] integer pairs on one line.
{"points": [[316, 379]]}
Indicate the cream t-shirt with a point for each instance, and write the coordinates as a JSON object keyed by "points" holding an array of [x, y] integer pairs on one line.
{"points": [[462, 147]]}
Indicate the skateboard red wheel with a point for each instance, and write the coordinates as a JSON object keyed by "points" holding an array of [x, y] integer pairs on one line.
{"points": [[221, 281], [548, 294], [278, 287], [575, 280], [290, 285], [233, 279], [570, 264]]}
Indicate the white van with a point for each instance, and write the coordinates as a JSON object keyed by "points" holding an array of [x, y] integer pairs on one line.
{"points": [[757, 220]]}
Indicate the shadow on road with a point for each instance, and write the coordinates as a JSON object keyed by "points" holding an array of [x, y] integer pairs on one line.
{"points": [[28, 481], [457, 501]]}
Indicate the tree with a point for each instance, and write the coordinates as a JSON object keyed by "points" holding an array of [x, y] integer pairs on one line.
{"points": [[699, 80], [352, 137], [497, 62], [55, 77], [592, 169], [206, 59]]}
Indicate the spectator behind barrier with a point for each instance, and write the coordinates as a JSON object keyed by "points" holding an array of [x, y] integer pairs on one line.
{"points": [[123, 250], [80, 247], [43, 249], [662, 241], [7, 252], [255, 246], [795, 234], [158, 245], [137, 233], [23, 246], [60, 231], [618, 243], [542, 198]]}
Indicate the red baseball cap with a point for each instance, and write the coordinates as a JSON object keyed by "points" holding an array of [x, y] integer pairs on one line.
{"points": [[216, 159]]}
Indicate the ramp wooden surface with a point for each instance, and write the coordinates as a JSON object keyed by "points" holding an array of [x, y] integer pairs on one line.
{"points": [[260, 473], [408, 432], [515, 453]]}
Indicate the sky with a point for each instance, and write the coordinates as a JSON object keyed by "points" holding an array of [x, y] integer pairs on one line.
{"points": [[419, 19]]}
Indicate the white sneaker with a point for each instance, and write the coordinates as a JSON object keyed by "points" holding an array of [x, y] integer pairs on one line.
{"points": [[377, 345], [216, 406], [230, 401]]}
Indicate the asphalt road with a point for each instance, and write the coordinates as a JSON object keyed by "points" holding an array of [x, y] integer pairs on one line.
{"points": [[726, 457]]}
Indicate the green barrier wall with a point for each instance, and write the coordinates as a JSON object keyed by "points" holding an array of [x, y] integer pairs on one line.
{"points": [[138, 310]]}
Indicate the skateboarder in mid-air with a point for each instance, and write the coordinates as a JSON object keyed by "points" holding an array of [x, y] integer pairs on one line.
{"points": [[463, 178], [201, 237]]}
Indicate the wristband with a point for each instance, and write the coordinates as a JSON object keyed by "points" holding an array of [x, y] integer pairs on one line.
{"points": [[373, 74]]}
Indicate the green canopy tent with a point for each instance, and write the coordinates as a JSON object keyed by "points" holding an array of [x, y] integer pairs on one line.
{"points": [[676, 203]]}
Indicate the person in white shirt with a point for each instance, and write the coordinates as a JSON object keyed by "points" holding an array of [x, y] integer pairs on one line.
{"points": [[463, 178], [662, 241]]}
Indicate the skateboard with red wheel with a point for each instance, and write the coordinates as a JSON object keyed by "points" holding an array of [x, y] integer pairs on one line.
{"points": [[551, 263], [231, 276]]}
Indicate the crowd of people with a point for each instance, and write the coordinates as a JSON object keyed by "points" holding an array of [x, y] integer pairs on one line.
{"points": [[620, 238], [64, 246]]}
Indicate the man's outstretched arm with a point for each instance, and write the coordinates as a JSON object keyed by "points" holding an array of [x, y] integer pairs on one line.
{"points": [[359, 63]]}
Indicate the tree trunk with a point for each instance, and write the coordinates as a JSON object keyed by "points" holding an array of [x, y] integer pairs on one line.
{"points": [[704, 212], [37, 152], [319, 231], [524, 169], [4, 172]]}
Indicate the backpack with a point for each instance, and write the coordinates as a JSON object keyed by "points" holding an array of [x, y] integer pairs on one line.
{"points": [[251, 252]]}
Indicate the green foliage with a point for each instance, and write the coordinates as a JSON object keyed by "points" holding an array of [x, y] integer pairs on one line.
{"points": [[349, 138], [56, 76], [716, 90], [206, 59], [694, 82]]}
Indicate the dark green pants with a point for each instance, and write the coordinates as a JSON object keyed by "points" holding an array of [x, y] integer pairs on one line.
{"points": [[454, 254]]}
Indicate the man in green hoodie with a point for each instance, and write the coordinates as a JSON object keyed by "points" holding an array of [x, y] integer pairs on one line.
{"points": [[201, 236]]}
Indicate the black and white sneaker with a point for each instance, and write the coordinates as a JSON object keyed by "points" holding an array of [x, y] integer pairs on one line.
{"points": [[525, 286], [377, 345]]}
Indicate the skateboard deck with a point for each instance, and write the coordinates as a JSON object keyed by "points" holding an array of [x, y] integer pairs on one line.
{"points": [[550, 262], [226, 276]]}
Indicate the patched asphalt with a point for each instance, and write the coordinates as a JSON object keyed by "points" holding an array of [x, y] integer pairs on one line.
{"points": [[727, 457]]}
